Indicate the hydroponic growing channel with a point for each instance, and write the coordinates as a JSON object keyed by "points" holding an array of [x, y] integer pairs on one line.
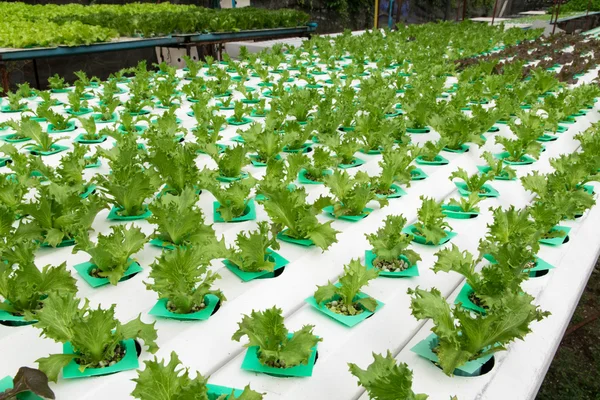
{"points": [[274, 221]]}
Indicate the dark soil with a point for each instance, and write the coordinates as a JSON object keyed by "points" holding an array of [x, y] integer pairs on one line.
{"points": [[392, 266], [575, 370]]}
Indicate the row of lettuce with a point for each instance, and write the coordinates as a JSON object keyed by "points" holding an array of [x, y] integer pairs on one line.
{"points": [[25, 25], [334, 120]]}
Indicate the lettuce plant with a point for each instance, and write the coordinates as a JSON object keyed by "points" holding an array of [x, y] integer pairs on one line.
{"points": [[182, 277], [111, 254], [385, 379], [375, 133], [90, 128], [167, 382], [130, 183], [467, 204], [456, 128], [342, 298], [233, 198], [352, 193], [475, 182], [23, 286], [497, 167], [196, 91], [316, 167], [463, 336], [276, 348], [77, 104], [289, 209], [389, 244], [252, 249], [395, 167], [490, 285], [296, 136], [431, 223], [59, 121], [430, 150], [106, 109], [298, 103], [344, 146], [43, 141], [530, 128], [59, 211], [265, 141], [231, 161], [179, 220], [193, 67], [96, 334], [56, 82], [165, 91]]}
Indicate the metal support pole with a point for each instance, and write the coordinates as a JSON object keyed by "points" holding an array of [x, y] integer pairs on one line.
{"points": [[457, 10], [464, 9], [399, 13], [376, 14], [36, 74], [391, 14], [494, 12], [556, 19]]}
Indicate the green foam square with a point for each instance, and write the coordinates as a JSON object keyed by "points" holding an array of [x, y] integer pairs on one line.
{"points": [[547, 138], [252, 363], [302, 242], [160, 310], [243, 175], [557, 241], [13, 138], [356, 162], [71, 127], [80, 139], [98, 118], [352, 218], [413, 270], [4, 161], [162, 244], [347, 320], [470, 368], [246, 276], [254, 160], [465, 301], [244, 121], [397, 192], [249, 215], [83, 268], [418, 174], [114, 215], [128, 362], [438, 160], [484, 169], [463, 149], [93, 165], [54, 149], [304, 180], [88, 190], [410, 230], [526, 160], [456, 212], [16, 320], [304, 149], [418, 130], [238, 139], [82, 111], [216, 391], [489, 191]]}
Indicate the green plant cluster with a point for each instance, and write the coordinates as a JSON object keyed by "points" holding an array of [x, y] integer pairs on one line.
{"points": [[24, 25]]}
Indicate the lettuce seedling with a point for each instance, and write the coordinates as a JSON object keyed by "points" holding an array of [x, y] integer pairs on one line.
{"points": [[395, 167], [231, 161], [130, 183], [265, 141], [385, 379], [475, 182], [431, 223], [164, 382], [375, 133], [165, 91], [196, 91], [279, 175], [296, 136], [15, 101], [233, 198], [90, 128], [389, 244], [106, 109], [289, 209], [467, 204], [298, 103], [182, 277], [342, 298], [76, 101], [59, 121], [430, 150], [276, 348], [179, 220], [490, 285], [26, 383], [193, 67], [316, 167], [252, 252], [95, 333], [530, 128], [473, 336], [56, 82], [344, 146], [111, 254], [457, 128], [352, 193], [43, 141], [498, 168], [23, 286]]}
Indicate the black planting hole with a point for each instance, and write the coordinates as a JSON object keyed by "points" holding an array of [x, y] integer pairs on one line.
{"points": [[485, 368], [276, 273], [179, 60], [217, 307], [537, 274], [566, 239], [138, 348], [16, 323]]}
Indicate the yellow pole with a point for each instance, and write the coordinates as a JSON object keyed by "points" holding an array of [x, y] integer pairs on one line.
{"points": [[376, 14]]}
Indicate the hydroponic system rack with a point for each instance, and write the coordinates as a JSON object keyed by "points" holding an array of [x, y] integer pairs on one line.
{"points": [[413, 106]]}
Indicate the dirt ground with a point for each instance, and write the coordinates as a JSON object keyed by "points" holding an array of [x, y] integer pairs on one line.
{"points": [[575, 371]]}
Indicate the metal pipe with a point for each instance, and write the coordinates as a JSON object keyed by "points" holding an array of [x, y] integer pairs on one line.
{"points": [[494, 12], [376, 16], [556, 19], [391, 14]]}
